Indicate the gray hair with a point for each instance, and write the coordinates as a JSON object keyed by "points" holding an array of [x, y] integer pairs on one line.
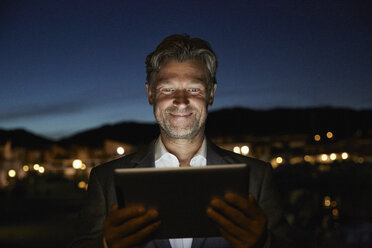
{"points": [[182, 48]]}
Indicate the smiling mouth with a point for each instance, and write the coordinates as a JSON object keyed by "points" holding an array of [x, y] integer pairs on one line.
{"points": [[180, 114]]}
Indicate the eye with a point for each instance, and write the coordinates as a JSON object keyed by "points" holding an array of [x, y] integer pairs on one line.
{"points": [[194, 90], [166, 90]]}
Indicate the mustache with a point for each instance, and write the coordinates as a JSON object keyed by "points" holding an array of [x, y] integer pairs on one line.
{"points": [[176, 110]]}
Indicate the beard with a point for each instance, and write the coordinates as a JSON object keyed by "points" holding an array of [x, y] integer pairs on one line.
{"points": [[187, 128]]}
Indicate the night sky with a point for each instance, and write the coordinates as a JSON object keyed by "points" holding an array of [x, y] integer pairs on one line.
{"points": [[66, 66]]}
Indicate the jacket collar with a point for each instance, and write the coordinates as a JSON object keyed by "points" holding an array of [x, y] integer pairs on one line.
{"points": [[146, 156]]}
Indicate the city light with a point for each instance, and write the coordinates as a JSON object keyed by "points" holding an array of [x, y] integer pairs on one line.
{"points": [[307, 158], [327, 201], [12, 173], [324, 157], [236, 149], [360, 160], [77, 164], [83, 167], [245, 150], [26, 168], [329, 135], [317, 137], [36, 167], [120, 150], [333, 156], [344, 155], [41, 169], [82, 185], [279, 160], [335, 212]]}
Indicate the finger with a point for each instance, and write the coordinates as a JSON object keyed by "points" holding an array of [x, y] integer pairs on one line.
{"points": [[118, 216], [248, 206], [233, 214], [139, 237], [136, 224], [224, 223]]}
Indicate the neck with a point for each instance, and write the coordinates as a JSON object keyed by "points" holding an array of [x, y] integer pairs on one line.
{"points": [[183, 149]]}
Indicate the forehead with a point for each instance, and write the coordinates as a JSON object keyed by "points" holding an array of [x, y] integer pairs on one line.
{"points": [[192, 70]]}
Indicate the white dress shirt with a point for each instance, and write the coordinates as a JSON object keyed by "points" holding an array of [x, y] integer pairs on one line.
{"points": [[165, 159]]}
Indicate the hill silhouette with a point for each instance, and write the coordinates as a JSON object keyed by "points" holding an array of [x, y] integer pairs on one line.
{"points": [[23, 138], [234, 122]]}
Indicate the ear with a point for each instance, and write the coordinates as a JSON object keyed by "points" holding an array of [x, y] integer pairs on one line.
{"points": [[211, 96], [149, 94]]}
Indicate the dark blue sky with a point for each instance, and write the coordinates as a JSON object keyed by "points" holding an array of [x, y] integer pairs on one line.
{"points": [[68, 65]]}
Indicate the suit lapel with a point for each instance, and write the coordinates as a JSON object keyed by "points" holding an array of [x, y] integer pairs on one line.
{"points": [[162, 243], [213, 155], [145, 157], [198, 242]]}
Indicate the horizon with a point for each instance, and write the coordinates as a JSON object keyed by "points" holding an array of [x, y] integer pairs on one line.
{"points": [[57, 139], [73, 65]]}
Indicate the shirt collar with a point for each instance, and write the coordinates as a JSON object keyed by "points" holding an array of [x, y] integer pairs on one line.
{"points": [[160, 150]]}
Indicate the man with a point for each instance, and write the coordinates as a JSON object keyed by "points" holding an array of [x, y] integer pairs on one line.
{"points": [[181, 84]]}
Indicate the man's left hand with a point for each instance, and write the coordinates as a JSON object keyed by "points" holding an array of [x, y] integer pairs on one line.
{"points": [[240, 220]]}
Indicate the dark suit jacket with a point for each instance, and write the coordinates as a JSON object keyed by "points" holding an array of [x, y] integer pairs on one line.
{"points": [[101, 196]]}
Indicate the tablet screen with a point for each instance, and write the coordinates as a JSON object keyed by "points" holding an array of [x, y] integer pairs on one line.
{"points": [[181, 195]]}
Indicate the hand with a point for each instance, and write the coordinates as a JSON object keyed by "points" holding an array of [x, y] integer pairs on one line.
{"points": [[241, 221], [129, 227]]}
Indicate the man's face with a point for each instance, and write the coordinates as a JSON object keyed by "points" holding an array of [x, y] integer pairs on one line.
{"points": [[180, 98]]}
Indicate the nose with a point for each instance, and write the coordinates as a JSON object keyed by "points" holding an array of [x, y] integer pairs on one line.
{"points": [[181, 98]]}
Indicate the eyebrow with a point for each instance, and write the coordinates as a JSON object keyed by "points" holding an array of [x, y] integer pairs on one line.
{"points": [[193, 81]]}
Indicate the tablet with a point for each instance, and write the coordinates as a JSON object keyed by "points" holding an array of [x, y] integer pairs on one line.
{"points": [[181, 195]]}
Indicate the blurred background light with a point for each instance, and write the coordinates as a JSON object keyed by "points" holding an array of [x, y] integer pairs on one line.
{"points": [[77, 164], [12, 173], [120, 150], [236, 149], [245, 150]]}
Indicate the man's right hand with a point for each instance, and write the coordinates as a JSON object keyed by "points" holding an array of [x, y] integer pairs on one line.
{"points": [[129, 227]]}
